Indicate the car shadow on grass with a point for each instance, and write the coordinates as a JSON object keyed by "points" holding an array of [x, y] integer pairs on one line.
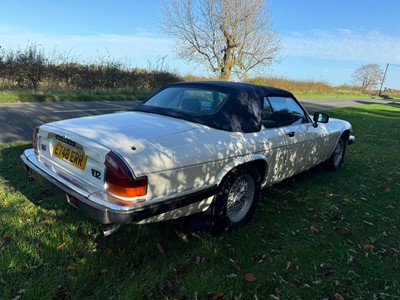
{"points": [[17, 182], [68, 242], [15, 177]]}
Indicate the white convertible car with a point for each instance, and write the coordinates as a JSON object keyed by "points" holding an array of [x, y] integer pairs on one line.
{"points": [[204, 148]]}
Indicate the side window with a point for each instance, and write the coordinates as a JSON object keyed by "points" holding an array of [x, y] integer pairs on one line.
{"points": [[266, 115], [284, 112]]}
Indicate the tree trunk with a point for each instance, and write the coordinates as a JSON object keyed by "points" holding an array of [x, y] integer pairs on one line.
{"points": [[227, 63], [225, 74]]}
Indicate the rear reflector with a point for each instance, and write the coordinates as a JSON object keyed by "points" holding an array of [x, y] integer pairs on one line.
{"points": [[35, 138]]}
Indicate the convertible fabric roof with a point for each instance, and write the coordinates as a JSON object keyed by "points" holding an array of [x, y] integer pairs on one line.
{"points": [[241, 112]]}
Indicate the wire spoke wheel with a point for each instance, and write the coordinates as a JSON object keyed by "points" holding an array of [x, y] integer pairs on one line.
{"points": [[336, 160], [235, 201], [240, 198], [338, 154]]}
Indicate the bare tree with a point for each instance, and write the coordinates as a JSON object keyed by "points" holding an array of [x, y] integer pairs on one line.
{"points": [[368, 76], [227, 36]]}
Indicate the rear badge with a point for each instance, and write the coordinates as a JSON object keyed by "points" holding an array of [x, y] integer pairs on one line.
{"points": [[96, 174], [65, 140]]}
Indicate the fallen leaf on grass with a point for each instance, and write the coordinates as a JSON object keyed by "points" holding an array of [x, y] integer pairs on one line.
{"points": [[6, 237], [3, 282], [218, 295], [183, 236], [290, 265], [109, 252], [389, 180], [249, 277], [387, 190], [48, 222], [72, 266], [368, 247], [336, 296], [61, 246], [314, 229], [261, 259]]}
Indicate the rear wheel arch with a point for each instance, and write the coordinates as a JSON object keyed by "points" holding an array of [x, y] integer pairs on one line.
{"points": [[259, 162], [346, 133], [262, 167], [236, 199]]}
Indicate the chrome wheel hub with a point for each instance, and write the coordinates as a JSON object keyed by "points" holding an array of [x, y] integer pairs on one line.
{"points": [[240, 198]]}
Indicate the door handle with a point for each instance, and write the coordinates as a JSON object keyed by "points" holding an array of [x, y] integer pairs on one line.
{"points": [[290, 133]]}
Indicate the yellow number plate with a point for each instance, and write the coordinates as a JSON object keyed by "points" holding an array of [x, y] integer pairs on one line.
{"points": [[74, 156]]}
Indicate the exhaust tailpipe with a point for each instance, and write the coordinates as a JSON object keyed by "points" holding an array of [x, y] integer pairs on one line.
{"points": [[110, 229]]}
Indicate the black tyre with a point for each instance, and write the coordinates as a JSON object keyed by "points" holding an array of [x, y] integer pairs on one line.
{"points": [[235, 202], [336, 160]]}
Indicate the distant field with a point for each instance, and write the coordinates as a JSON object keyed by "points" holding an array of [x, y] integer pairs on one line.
{"points": [[117, 95], [302, 89], [320, 235], [71, 95]]}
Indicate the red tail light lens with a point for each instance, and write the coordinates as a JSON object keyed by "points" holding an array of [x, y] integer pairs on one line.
{"points": [[35, 138], [120, 181]]}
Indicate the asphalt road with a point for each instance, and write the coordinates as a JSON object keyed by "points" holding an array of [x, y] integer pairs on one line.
{"points": [[18, 120]]}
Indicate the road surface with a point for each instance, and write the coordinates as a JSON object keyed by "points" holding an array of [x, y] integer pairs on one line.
{"points": [[18, 120]]}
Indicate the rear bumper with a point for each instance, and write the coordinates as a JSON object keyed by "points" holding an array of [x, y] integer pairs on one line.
{"points": [[101, 210]]}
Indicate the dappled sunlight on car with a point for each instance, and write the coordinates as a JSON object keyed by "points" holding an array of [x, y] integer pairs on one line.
{"points": [[206, 147]]}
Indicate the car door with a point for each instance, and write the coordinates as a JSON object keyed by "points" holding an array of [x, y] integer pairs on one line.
{"points": [[271, 141], [272, 144], [304, 143]]}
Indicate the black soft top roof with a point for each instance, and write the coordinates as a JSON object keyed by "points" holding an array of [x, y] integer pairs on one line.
{"points": [[241, 112]]}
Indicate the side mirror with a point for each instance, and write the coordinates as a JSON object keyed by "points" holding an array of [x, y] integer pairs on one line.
{"points": [[320, 118]]}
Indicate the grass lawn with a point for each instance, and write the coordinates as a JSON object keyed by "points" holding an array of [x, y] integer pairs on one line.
{"points": [[320, 235]]}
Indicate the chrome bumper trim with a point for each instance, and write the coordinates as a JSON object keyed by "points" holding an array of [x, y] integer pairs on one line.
{"points": [[351, 139], [103, 211]]}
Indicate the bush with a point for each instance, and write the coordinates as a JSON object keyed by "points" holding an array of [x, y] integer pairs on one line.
{"points": [[294, 85], [30, 69]]}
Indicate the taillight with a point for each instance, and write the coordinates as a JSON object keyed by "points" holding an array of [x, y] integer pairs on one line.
{"points": [[35, 138], [119, 180]]}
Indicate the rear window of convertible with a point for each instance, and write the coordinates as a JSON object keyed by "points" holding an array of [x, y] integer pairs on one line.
{"points": [[195, 100]]}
